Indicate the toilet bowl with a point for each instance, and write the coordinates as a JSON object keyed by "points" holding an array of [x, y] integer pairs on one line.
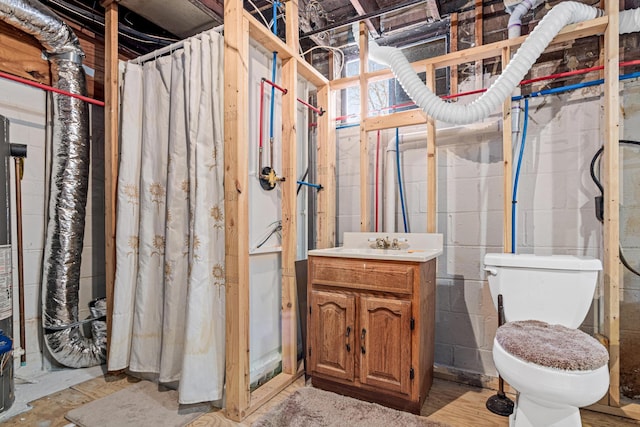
{"points": [[554, 367]]}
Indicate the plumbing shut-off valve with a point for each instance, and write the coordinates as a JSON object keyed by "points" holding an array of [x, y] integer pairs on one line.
{"points": [[269, 178]]}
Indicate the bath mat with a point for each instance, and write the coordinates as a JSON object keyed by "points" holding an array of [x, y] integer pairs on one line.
{"points": [[311, 407], [142, 404]]}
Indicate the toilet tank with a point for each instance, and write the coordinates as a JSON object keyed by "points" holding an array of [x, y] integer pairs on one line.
{"points": [[557, 289]]}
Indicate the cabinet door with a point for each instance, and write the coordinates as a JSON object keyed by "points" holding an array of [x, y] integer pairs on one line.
{"points": [[331, 334], [385, 338]]}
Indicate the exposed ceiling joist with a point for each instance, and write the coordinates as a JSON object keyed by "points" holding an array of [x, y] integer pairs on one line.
{"points": [[432, 10], [364, 7], [216, 6]]}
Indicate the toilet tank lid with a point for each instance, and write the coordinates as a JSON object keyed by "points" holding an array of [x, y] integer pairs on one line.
{"points": [[553, 262]]}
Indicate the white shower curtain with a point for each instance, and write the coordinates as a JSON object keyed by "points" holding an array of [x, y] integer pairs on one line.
{"points": [[168, 311]]}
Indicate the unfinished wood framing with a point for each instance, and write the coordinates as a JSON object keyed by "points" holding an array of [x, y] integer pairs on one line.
{"points": [[453, 37], [239, 27], [365, 216], [289, 200], [111, 116], [507, 164], [432, 167], [611, 162], [326, 159], [236, 207], [478, 42], [608, 25], [570, 32]]}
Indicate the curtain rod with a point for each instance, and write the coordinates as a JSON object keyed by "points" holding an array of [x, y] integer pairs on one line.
{"points": [[168, 49]]}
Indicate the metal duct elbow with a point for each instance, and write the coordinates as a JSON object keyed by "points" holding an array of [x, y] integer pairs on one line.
{"points": [[68, 189]]}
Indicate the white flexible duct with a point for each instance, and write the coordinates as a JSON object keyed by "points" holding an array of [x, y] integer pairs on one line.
{"points": [[563, 14], [514, 28], [419, 140]]}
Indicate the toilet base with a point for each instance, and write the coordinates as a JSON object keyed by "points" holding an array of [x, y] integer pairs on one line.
{"points": [[529, 413]]}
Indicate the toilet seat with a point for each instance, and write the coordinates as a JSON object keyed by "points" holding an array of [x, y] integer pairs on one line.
{"points": [[552, 346]]}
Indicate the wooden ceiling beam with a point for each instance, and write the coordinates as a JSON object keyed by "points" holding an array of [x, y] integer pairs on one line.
{"points": [[364, 7], [215, 6]]}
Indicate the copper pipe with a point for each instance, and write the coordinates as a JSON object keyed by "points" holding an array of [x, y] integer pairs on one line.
{"points": [[19, 171]]}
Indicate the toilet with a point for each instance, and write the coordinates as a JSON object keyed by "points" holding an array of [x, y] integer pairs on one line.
{"points": [[539, 351]]}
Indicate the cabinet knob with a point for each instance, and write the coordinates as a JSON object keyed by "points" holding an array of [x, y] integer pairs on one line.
{"points": [[348, 331], [348, 348], [364, 351]]}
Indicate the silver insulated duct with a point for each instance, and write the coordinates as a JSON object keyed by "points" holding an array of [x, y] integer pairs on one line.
{"points": [[69, 184]]}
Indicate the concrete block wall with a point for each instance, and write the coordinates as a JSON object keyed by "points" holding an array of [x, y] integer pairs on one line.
{"points": [[25, 107], [555, 212], [630, 242]]}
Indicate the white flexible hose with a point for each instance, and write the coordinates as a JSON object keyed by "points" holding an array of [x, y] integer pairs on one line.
{"points": [[563, 14]]}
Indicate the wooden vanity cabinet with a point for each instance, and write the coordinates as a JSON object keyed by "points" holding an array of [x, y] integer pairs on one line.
{"points": [[371, 329]]}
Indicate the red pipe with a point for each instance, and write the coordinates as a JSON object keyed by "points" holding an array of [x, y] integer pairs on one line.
{"points": [[320, 111], [281, 89], [523, 82], [261, 112], [51, 89], [377, 174]]}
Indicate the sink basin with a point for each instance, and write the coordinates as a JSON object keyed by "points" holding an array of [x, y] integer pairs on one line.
{"points": [[416, 247]]}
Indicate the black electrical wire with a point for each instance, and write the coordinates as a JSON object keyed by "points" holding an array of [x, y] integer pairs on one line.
{"points": [[96, 19], [597, 182], [276, 228], [302, 179]]}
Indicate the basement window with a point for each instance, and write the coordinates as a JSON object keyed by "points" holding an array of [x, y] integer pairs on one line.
{"points": [[387, 96]]}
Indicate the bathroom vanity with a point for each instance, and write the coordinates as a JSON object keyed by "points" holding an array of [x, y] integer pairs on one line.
{"points": [[372, 317]]}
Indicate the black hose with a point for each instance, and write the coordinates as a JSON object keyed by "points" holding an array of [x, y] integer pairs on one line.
{"points": [[597, 182]]}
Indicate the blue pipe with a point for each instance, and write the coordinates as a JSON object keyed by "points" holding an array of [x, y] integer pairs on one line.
{"points": [[404, 213], [274, 29], [514, 199], [542, 92], [308, 184], [351, 125], [567, 88]]}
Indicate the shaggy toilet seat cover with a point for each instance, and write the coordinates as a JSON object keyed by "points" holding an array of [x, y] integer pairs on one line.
{"points": [[553, 346]]}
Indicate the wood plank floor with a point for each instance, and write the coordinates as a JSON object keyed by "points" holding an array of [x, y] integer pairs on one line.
{"points": [[448, 402]]}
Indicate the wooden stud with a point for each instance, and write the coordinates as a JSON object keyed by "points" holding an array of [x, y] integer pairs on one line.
{"points": [[261, 34], [453, 36], [236, 109], [365, 217], [21, 55], [289, 319], [111, 117], [612, 276], [326, 158], [394, 120], [479, 72], [507, 163], [570, 32], [432, 168]]}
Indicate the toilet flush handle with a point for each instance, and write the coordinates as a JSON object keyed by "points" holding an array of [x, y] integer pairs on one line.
{"points": [[492, 271]]}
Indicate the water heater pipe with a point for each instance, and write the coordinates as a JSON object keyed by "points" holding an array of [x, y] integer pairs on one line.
{"points": [[563, 14]]}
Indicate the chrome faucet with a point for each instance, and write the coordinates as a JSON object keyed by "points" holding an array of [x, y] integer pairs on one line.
{"points": [[386, 243]]}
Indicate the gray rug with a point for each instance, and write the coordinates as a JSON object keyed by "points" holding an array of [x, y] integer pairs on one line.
{"points": [[142, 404], [311, 407]]}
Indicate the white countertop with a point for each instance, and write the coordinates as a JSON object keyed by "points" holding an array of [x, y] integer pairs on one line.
{"points": [[416, 247]]}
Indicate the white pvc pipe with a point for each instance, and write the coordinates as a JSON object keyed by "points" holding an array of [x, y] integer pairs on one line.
{"points": [[560, 16], [515, 20], [419, 140]]}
